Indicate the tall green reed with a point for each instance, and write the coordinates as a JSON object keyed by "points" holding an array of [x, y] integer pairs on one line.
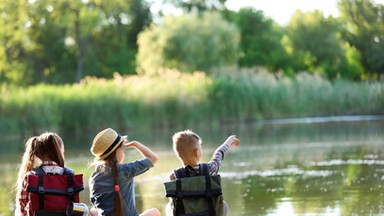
{"points": [[257, 94], [182, 100]]}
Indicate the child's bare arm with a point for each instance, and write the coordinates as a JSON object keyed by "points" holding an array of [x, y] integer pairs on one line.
{"points": [[145, 151]]}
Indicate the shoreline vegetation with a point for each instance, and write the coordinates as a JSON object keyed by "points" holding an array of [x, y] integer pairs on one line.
{"points": [[178, 99]]}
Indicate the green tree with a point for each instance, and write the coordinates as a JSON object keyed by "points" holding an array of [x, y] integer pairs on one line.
{"points": [[114, 44], [48, 56], [260, 39], [45, 25], [352, 68], [364, 29], [315, 44], [13, 48], [62, 41], [188, 43]]}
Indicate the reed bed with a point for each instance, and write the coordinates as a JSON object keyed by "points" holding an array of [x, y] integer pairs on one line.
{"points": [[179, 99]]}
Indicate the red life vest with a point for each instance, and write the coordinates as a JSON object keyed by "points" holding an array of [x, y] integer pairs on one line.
{"points": [[51, 194]]}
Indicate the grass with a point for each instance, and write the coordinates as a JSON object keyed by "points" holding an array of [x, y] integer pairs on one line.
{"points": [[178, 99]]}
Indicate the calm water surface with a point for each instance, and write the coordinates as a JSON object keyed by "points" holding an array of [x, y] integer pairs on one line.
{"points": [[291, 168]]}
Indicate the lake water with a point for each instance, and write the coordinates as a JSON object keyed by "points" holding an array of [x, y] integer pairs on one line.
{"points": [[290, 167]]}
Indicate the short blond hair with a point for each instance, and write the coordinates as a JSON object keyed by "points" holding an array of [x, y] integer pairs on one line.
{"points": [[184, 143]]}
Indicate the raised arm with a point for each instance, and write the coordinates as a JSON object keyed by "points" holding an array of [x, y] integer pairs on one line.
{"points": [[218, 155], [145, 151], [232, 141]]}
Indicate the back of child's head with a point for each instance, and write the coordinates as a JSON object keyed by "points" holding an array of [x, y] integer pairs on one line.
{"points": [[184, 143], [46, 146]]}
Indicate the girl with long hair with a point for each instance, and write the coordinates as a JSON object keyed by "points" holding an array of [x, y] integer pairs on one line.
{"points": [[46, 153], [111, 184]]}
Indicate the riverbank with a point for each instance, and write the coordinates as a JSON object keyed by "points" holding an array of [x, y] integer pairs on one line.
{"points": [[177, 99]]}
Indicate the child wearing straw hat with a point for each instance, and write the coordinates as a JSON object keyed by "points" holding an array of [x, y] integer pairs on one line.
{"points": [[111, 184]]}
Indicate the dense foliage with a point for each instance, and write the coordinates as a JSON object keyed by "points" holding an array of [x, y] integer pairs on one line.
{"points": [[364, 29], [315, 45], [188, 43], [55, 42], [260, 40], [63, 41]]}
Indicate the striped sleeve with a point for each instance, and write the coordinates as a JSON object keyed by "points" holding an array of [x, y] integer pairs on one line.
{"points": [[217, 159]]}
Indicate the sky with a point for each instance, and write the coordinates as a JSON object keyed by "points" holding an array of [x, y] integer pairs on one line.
{"points": [[280, 10]]}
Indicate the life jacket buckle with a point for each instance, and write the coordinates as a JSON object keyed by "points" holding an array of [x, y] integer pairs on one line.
{"points": [[40, 190]]}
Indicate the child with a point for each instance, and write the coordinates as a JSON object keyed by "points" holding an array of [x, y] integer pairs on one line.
{"points": [[48, 149], [111, 184], [187, 147]]}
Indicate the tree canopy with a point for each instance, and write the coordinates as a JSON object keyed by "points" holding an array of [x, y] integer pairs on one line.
{"points": [[50, 41], [63, 41], [188, 43], [364, 29], [260, 39]]}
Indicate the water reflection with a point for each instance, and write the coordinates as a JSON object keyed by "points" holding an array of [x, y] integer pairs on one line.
{"points": [[348, 189], [290, 169]]}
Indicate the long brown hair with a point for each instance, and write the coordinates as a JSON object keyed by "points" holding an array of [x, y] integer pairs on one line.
{"points": [[47, 146], [111, 162]]}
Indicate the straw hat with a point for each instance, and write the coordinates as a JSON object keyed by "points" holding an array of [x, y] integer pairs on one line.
{"points": [[105, 142]]}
